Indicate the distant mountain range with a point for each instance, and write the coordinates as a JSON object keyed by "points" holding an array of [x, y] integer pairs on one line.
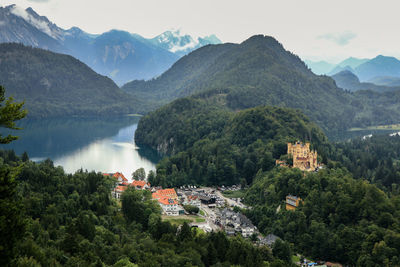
{"points": [[381, 70], [349, 81], [119, 55], [259, 71], [58, 85]]}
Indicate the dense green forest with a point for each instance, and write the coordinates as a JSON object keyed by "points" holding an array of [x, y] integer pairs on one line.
{"points": [[54, 85], [340, 219], [376, 159], [50, 218], [343, 217], [260, 71], [216, 147]]}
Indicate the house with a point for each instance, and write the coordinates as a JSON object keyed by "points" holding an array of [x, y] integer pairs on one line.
{"points": [[140, 185], [246, 227], [207, 199], [119, 177], [170, 206], [192, 200], [165, 193], [233, 221], [117, 191], [292, 202]]}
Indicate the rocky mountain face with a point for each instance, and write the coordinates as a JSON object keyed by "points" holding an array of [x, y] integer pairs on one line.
{"points": [[119, 55]]}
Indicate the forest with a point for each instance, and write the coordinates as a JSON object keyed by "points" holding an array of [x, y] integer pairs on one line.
{"points": [[57, 85], [350, 209], [50, 218], [213, 147], [340, 218]]}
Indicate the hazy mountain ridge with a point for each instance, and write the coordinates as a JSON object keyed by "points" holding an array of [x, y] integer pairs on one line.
{"points": [[381, 70], [117, 57], [54, 85], [349, 81]]}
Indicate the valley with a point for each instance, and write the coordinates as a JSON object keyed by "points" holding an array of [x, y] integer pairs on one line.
{"points": [[178, 149]]}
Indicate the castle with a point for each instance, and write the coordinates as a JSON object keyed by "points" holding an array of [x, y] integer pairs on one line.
{"points": [[303, 158]]}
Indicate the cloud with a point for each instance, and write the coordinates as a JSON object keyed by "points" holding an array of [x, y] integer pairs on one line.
{"points": [[40, 25], [339, 38]]}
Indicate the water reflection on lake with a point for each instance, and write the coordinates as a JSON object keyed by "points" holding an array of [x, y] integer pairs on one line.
{"points": [[104, 145]]}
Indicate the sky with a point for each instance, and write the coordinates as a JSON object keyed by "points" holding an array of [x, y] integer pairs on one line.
{"points": [[313, 29]]}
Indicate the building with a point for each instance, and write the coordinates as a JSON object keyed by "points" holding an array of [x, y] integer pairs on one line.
{"points": [[117, 191], [165, 193], [140, 185], [170, 206], [303, 157], [192, 200], [119, 177], [292, 202]]}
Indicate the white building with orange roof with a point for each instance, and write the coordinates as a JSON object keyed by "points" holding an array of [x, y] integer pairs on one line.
{"points": [[119, 177], [140, 184], [168, 200], [118, 190], [165, 193], [170, 206]]}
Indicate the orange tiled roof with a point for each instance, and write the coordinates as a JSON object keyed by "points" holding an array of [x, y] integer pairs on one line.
{"points": [[162, 193], [120, 188], [139, 183], [116, 175], [167, 201]]}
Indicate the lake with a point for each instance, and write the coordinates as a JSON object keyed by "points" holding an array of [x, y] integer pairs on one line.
{"points": [[105, 145]]}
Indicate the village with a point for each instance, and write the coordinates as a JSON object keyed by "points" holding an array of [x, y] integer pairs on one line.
{"points": [[213, 209]]}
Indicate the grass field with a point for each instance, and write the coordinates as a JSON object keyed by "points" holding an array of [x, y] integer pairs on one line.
{"points": [[234, 194], [377, 127]]}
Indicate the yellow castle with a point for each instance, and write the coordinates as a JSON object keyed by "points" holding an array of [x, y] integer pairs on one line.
{"points": [[303, 158]]}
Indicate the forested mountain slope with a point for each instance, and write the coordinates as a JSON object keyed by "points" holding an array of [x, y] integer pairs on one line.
{"points": [[260, 71], [215, 146], [59, 85]]}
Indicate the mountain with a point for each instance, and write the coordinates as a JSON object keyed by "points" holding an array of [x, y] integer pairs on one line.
{"points": [[338, 69], [259, 71], [119, 55], [123, 57], [352, 62], [378, 66], [319, 67], [349, 81], [181, 44], [323, 67], [27, 27], [386, 80], [54, 84]]}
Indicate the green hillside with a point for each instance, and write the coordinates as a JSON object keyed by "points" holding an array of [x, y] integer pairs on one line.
{"points": [[260, 71], [59, 85], [217, 146]]}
